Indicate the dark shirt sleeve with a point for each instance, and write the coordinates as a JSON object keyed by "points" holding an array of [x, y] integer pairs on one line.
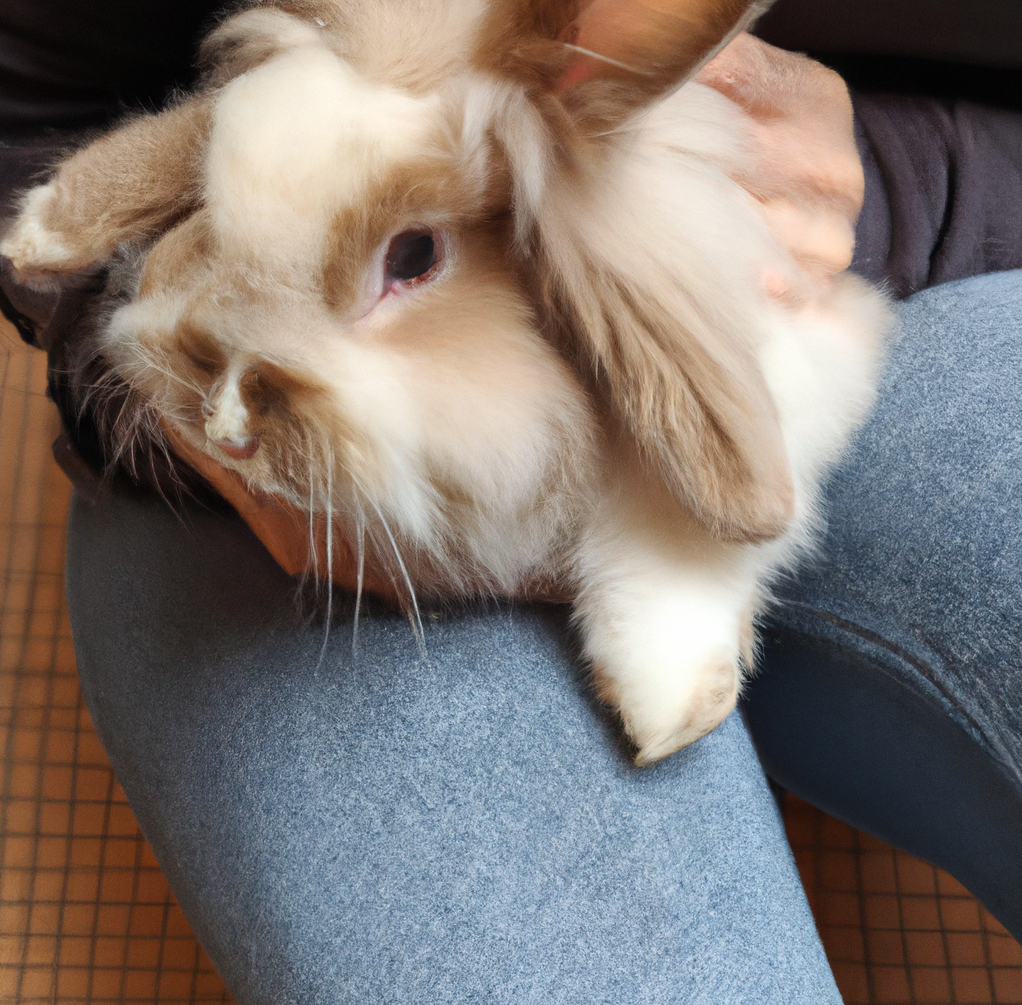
{"points": [[943, 190]]}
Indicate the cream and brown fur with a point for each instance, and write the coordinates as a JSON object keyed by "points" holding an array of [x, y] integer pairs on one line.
{"points": [[593, 394]]}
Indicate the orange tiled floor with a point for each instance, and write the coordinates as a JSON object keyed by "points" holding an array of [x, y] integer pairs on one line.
{"points": [[897, 929], [86, 915]]}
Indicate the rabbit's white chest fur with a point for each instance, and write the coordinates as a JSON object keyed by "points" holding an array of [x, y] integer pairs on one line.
{"points": [[499, 350]]}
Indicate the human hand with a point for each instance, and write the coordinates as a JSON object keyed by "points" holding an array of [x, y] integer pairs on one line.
{"points": [[805, 170]]}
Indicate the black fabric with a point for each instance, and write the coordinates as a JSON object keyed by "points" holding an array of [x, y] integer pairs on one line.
{"points": [[21, 164], [74, 62], [968, 32], [998, 87], [943, 190]]}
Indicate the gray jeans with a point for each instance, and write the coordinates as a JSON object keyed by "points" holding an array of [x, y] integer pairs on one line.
{"points": [[379, 827]]}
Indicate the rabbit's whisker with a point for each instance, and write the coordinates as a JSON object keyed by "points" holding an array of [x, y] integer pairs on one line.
{"points": [[329, 555], [606, 59], [413, 615], [360, 537]]}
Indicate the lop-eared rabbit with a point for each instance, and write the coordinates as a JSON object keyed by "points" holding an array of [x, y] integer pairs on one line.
{"points": [[490, 335]]}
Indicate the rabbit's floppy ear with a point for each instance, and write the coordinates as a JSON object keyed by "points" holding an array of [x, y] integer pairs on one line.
{"points": [[670, 343], [146, 174], [681, 382], [135, 181]]}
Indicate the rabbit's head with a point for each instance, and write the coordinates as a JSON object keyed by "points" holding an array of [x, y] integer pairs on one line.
{"points": [[368, 266]]}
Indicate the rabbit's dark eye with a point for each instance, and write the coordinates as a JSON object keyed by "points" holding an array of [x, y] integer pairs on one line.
{"points": [[411, 257]]}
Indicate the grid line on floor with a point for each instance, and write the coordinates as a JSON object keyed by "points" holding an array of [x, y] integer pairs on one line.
{"points": [[896, 929]]}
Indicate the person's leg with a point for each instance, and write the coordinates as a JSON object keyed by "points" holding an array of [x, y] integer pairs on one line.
{"points": [[892, 692], [385, 827]]}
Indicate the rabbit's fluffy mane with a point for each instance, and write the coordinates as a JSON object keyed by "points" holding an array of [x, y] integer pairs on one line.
{"points": [[451, 443]]}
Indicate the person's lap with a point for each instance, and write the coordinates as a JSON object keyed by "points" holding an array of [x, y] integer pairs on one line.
{"points": [[382, 826], [378, 826], [926, 511]]}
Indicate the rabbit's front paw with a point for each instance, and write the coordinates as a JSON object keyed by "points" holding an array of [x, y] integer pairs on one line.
{"points": [[38, 252], [682, 709]]}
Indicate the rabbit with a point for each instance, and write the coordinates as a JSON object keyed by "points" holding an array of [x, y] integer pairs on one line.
{"points": [[487, 336]]}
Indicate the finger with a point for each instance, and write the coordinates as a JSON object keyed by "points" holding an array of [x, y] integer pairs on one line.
{"points": [[808, 162], [824, 239]]}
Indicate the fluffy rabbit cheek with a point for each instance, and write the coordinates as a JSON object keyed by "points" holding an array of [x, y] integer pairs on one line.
{"points": [[491, 406], [137, 346], [375, 417], [417, 431]]}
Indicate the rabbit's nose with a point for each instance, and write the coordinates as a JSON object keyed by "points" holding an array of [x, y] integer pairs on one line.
{"points": [[227, 420]]}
